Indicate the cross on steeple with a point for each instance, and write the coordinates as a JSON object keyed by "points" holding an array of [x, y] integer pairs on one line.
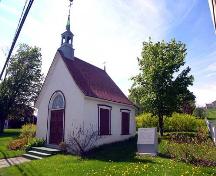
{"points": [[104, 64], [68, 21], [67, 39]]}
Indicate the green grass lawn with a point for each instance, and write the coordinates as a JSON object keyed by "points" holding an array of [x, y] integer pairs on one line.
{"points": [[211, 114], [111, 160], [5, 138]]}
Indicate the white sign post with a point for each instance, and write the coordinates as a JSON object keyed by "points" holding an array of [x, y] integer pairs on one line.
{"points": [[147, 141]]}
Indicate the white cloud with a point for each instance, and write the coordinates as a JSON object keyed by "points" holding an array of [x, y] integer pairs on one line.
{"points": [[3, 20], [211, 70], [211, 74], [108, 30], [212, 67], [12, 10], [204, 94], [205, 65], [104, 31]]}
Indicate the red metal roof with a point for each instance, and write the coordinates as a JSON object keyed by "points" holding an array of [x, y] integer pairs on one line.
{"points": [[94, 82]]}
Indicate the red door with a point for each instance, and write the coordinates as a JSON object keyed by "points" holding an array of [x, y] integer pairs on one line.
{"points": [[56, 127]]}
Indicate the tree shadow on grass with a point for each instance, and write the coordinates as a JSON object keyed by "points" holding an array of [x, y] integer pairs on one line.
{"points": [[27, 170], [163, 155], [118, 152], [5, 154], [24, 170], [5, 157], [10, 133]]}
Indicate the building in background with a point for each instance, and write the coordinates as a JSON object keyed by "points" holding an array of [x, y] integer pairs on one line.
{"points": [[211, 105]]}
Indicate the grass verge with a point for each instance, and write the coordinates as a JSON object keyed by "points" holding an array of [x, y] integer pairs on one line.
{"points": [[5, 138], [117, 159], [211, 114]]}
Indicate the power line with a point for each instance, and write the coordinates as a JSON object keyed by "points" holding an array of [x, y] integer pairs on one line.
{"points": [[20, 25], [21, 15]]}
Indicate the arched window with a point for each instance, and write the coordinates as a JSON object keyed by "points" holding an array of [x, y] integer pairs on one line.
{"points": [[58, 101]]}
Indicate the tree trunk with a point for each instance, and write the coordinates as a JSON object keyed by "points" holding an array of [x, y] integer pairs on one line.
{"points": [[161, 125], [2, 122]]}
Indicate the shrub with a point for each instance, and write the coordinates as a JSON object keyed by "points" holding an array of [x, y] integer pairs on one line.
{"points": [[195, 148], [63, 146], [199, 137], [202, 134], [81, 139], [182, 137], [34, 142], [28, 131], [17, 144], [26, 139], [200, 113], [180, 122], [146, 120], [198, 154], [176, 123], [24, 144], [181, 152], [200, 123]]}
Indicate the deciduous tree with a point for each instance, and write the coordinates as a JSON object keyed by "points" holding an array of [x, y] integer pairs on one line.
{"points": [[161, 87], [22, 84], [200, 113]]}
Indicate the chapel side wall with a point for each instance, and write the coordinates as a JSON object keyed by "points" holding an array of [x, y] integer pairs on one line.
{"points": [[60, 79], [91, 117]]}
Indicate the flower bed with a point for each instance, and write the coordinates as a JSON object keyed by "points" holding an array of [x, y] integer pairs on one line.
{"points": [[194, 148]]}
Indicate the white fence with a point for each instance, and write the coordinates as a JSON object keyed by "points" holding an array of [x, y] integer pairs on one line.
{"points": [[211, 124]]}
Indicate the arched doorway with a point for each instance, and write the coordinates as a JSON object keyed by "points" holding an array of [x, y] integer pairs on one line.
{"points": [[56, 122]]}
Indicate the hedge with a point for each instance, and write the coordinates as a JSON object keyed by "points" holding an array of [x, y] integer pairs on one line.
{"points": [[176, 123]]}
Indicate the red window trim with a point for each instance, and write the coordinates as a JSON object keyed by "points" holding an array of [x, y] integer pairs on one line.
{"points": [[49, 114], [103, 106], [125, 110]]}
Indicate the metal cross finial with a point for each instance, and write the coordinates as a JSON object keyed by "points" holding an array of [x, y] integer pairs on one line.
{"points": [[68, 21], [104, 63]]}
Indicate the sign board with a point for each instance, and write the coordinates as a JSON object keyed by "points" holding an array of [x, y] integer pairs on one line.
{"points": [[147, 141]]}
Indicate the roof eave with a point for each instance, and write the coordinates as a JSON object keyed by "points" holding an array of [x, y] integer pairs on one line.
{"points": [[109, 101]]}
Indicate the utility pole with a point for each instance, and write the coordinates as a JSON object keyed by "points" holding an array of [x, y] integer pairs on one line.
{"points": [[19, 28]]}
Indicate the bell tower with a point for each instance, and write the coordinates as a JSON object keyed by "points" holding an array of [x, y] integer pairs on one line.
{"points": [[67, 39]]}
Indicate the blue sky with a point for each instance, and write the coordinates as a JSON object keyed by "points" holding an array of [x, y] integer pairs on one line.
{"points": [[113, 31]]}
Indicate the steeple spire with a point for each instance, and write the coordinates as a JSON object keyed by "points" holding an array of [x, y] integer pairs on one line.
{"points": [[68, 20], [67, 39], [68, 23]]}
